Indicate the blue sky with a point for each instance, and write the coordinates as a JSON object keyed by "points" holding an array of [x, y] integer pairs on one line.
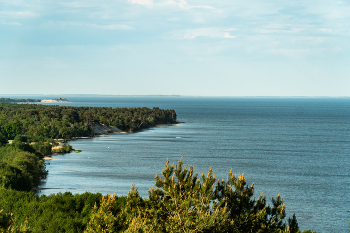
{"points": [[182, 47]]}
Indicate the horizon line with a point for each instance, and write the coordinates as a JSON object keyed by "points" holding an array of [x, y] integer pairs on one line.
{"points": [[175, 95]]}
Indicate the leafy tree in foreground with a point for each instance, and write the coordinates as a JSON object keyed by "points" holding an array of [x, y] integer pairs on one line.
{"points": [[184, 202]]}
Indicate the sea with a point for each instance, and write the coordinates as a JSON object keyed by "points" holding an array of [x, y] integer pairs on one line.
{"points": [[296, 147]]}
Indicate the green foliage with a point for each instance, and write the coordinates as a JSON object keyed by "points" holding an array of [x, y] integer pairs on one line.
{"points": [[9, 100], [20, 138], [108, 217], [293, 224], [3, 140], [54, 213], [11, 130], [42, 148], [246, 213], [182, 202], [40, 122], [65, 148], [13, 178], [6, 221], [20, 169]]}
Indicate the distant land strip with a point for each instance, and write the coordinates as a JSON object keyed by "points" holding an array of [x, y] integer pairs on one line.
{"points": [[9, 100]]}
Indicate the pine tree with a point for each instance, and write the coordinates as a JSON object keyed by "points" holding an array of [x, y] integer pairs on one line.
{"points": [[6, 221], [293, 224], [180, 203], [108, 217], [184, 202]]}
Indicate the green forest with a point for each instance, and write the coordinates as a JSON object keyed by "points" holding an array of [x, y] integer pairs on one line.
{"points": [[9, 100], [44, 122], [181, 201]]}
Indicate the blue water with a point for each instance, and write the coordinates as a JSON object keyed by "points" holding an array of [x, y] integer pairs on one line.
{"points": [[298, 148]]}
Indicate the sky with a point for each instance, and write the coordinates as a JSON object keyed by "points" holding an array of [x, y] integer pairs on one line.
{"points": [[175, 47]]}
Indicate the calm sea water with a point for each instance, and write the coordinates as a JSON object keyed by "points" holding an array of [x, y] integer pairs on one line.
{"points": [[298, 148]]}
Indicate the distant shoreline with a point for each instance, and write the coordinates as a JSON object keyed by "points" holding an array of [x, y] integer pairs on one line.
{"points": [[17, 100], [179, 96], [54, 100], [9, 100]]}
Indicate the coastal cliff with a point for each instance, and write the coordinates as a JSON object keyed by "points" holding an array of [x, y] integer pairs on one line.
{"points": [[100, 129]]}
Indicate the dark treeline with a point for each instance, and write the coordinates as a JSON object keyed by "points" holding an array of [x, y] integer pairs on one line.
{"points": [[41, 122], [9, 100]]}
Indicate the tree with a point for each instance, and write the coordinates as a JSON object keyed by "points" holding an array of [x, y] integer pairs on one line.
{"points": [[108, 217], [20, 138], [6, 221], [246, 213], [3, 140], [13, 178], [293, 224], [182, 202], [11, 130]]}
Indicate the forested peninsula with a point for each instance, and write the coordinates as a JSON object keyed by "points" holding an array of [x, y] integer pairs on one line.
{"points": [[181, 201], [9, 100]]}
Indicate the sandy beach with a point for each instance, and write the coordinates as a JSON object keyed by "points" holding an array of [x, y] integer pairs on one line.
{"points": [[100, 130]]}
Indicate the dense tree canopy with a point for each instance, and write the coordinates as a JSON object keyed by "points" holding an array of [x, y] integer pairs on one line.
{"points": [[9, 100], [21, 166], [41, 122], [61, 212]]}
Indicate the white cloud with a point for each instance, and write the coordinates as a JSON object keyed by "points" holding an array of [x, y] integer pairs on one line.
{"points": [[17, 14], [11, 23], [231, 29], [325, 30], [183, 4], [279, 31], [75, 4], [113, 27], [174, 19], [141, 2], [290, 52], [339, 14], [179, 3], [207, 32], [54, 24], [227, 35]]}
